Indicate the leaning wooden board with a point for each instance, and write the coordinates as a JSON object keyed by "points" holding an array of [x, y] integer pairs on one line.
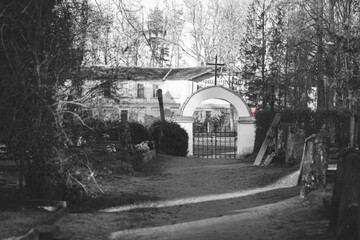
{"points": [[269, 137]]}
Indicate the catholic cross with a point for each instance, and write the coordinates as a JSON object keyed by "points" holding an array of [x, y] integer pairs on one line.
{"points": [[216, 65]]}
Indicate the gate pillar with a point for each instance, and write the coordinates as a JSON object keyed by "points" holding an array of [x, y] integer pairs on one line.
{"points": [[186, 122], [245, 136]]}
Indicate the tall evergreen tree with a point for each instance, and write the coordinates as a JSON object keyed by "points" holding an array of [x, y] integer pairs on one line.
{"points": [[255, 54], [277, 53]]}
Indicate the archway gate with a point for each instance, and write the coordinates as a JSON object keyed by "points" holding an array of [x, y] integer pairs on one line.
{"points": [[245, 134], [214, 144]]}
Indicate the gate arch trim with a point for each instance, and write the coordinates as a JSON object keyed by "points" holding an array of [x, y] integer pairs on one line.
{"points": [[246, 122]]}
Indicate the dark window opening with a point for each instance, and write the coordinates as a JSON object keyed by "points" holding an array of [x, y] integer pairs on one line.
{"points": [[208, 115], [155, 88], [124, 115], [140, 91]]}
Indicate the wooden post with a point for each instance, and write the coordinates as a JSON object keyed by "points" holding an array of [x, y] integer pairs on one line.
{"points": [[215, 70], [269, 137], [162, 118], [161, 105]]}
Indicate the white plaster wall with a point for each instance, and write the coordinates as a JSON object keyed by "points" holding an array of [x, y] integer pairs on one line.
{"points": [[174, 95], [179, 90], [187, 124], [217, 93], [246, 138], [218, 103]]}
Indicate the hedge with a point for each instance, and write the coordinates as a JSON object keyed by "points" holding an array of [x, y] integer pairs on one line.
{"points": [[310, 121], [173, 140]]}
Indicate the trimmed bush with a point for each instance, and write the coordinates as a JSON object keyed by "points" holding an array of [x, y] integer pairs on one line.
{"points": [[173, 140], [139, 133]]}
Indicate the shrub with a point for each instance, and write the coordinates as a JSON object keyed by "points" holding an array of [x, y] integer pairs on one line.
{"points": [[97, 130], [91, 130], [118, 131], [174, 139], [139, 133], [310, 121]]}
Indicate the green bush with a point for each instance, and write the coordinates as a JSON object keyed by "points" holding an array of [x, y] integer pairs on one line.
{"points": [[96, 130], [115, 130], [91, 130], [172, 141], [139, 133]]}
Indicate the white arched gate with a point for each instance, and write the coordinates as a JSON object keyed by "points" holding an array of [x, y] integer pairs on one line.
{"points": [[246, 122]]}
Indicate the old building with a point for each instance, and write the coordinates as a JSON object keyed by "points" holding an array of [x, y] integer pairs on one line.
{"points": [[131, 92]]}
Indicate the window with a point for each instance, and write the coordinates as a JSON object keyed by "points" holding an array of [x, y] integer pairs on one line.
{"points": [[107, 89], [124, 115], [140, 91], [155, 88], [208, 115]]}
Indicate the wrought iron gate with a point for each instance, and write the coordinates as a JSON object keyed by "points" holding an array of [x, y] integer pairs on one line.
{"points": [[215, 144]]}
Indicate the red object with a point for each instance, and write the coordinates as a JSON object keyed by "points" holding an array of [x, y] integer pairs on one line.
{"points": [[253, 110]]}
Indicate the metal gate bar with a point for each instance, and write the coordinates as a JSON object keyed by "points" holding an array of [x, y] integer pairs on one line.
{"points": [[215, 144]]}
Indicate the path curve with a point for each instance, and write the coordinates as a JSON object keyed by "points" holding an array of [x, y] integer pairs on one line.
{"points": [[205, 199]]}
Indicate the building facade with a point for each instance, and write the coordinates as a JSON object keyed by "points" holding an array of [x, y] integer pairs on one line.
{"points": [[130, 93]]}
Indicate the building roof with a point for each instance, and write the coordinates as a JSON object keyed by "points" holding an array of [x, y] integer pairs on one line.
{"points": [[147, 74]]}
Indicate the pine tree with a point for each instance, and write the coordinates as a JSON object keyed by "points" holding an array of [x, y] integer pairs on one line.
{"points": [[277, 53], [255, 54]]}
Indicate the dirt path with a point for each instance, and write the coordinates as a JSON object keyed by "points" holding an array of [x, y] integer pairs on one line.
{"points": [[203, 199]]}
